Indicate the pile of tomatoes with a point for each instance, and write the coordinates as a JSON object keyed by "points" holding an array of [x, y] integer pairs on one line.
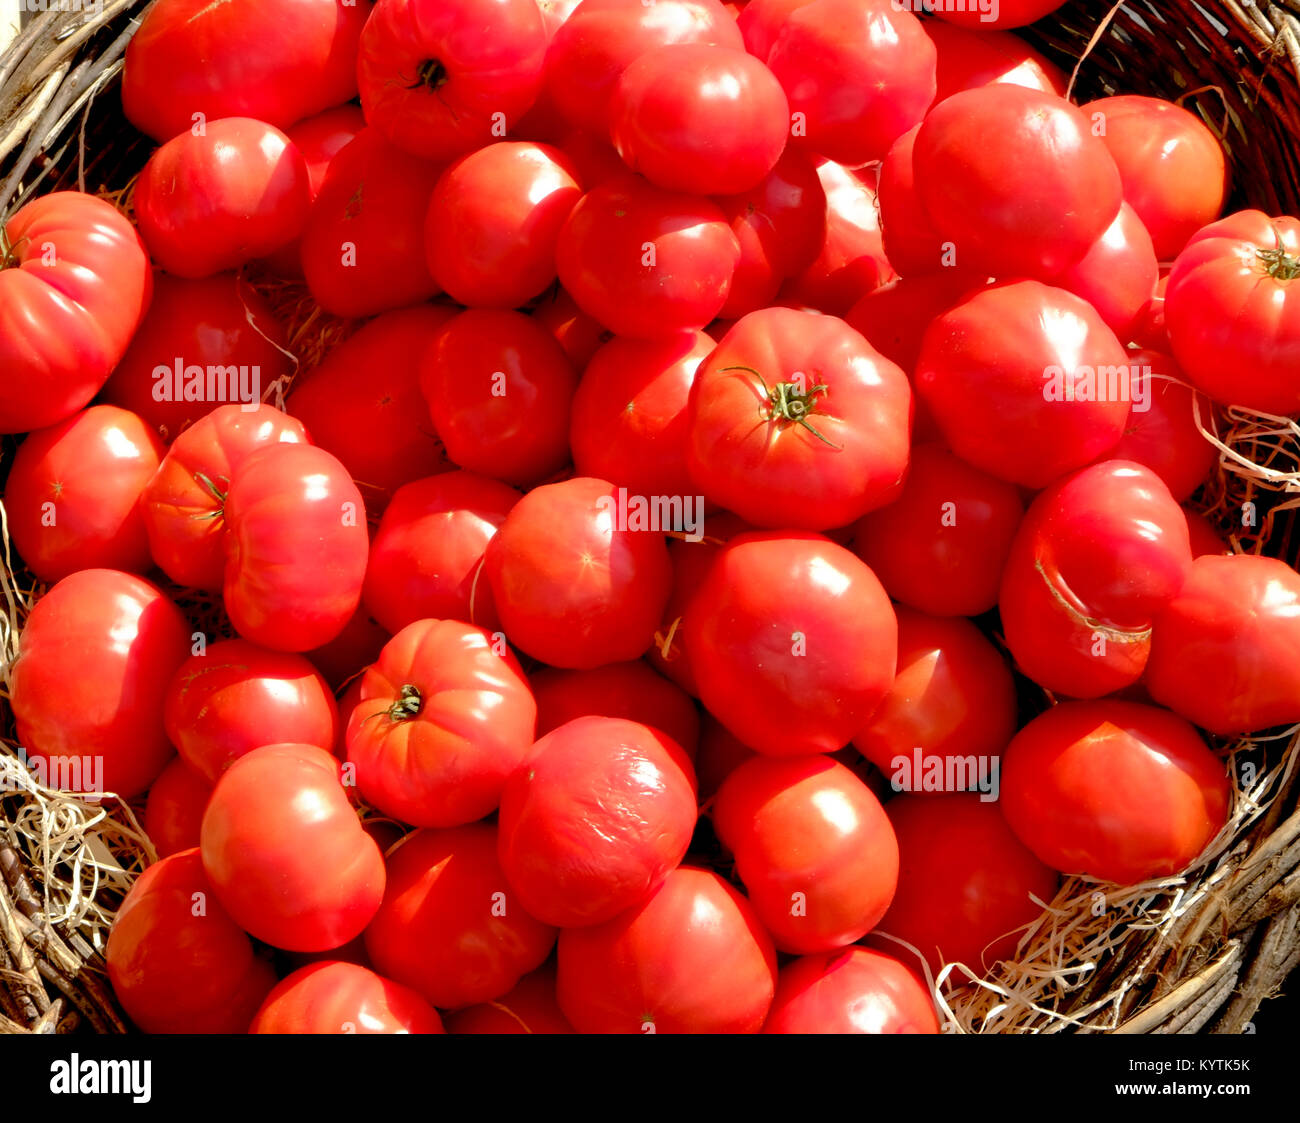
{"points": [[733, 558]]}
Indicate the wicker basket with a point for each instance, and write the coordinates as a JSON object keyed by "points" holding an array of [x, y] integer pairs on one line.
{"points": [[1187, 954]]}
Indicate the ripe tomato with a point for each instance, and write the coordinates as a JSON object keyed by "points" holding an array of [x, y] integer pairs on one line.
{"points": [[578, 334], [493, 222], [575, 582], [95, 656], [813, 848], [1224, 650], [1204, 536], [1015, 226], [531, 1007], [355, 647], [984, 15], [1115, 790], [293, 583], [793, 642], [910, 240], [74, 286], [721, 753], [73, 494], [1246, 263], [497, 389], [440, 78], [693, 958], [286, 853], [235, 697], [966, 884], [853, 990], [1150, 331], [220, 198], [445, 717], [644, 261], [796, 421], [178, 963], [427, 557], [242, 58], [967, 59], [211, 324], [894, 319], [450, 926], [174, 811], [595, 818], [363, 403], [336, 997], [1118, 275]]}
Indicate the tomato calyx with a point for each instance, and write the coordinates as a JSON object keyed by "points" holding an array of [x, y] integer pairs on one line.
{"points": [[408, 705], [790, 402], [1278, 263], [431, 74], [216, 493]]}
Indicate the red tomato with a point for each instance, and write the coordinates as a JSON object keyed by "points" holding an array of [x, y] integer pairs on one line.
{"points": [[1233, 311], [426, 561], [721, 753], [493, 222], [174, 811], [450, 927], [854, 990], [693, 958], [1173, 168], [235, 697], [184, 504], [363, 245], [1114, 790], [912, 244], [1118, 275], [966, 884], [242, 58], [1224, 651], [212, 324], [796, 421], [336, 997], [87, 689], [942, 544], [791, 674], [218, 199], [445, 717], [968, 59], [440, 78], [577, 580], [286, 853], [1150, 330], [531, 1007], [73, 494], [178, 963], [592, 156], [296, 547], [813, 848], [1204, 536], [349, 652], [894, 318], [1025, 382], [498, 390], [1015, 225], [363, 403], [646, 262], [984, 15], [578, 334], [74, 286]]}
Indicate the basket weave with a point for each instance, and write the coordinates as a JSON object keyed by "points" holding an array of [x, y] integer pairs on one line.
{"points": [[1191, 954]]}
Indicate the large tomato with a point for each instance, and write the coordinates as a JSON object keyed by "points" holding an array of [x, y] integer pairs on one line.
{"points": [[1118, 274], [74, 285], [336, 997], [913, 245], [173, 813], [87, 689], [855, 990], [796, 421], [967, 59]]}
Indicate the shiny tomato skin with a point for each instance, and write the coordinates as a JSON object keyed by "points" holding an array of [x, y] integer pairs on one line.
{"points": [[286, 853], [793, 642], [73, 494], [109, 641], [644, 261], [852, 990], [445, 717], [969, 59], [572, 587], [983, 371], [1118, 274], [174, 811], [177, 969], [1005, 14], [217, 321], [75, 286], [693, 958], [450, 926], [296, 547], [530, 1007], [237, 696], [841, 454], [278, 63], [1224, 650], [965, 882], [337, 997], [218, 200], [494, 220], [363, 403], [1118, 791], [813, 848], [184, 504]]}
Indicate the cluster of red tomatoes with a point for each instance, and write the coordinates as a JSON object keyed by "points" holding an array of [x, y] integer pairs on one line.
{"points": [[720, 362]]}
